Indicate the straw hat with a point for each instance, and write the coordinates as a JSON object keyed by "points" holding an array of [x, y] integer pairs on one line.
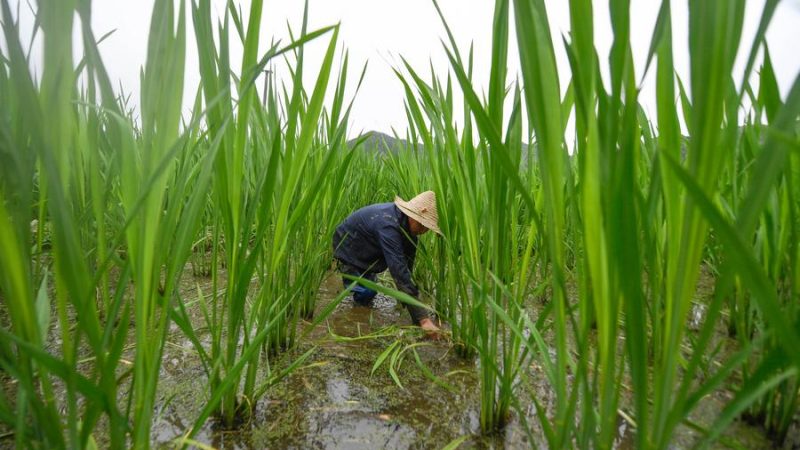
{"points": [[421, 208]]}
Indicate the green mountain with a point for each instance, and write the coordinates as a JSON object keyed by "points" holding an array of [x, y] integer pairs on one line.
{"points": [[375, 142], [379, 143]]}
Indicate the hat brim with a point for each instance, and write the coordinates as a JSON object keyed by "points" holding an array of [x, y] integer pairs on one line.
{"points": [[425, 221]]}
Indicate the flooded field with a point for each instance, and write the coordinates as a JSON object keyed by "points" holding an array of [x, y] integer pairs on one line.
{"points": [[336, 402]]}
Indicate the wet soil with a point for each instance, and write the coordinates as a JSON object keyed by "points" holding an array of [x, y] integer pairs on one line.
{"points": [[336, 402]]}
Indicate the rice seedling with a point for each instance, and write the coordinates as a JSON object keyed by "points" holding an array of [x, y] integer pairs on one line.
{"points": [[125, 201], [274, 196], [487, 258], [73, 173], [639, 210], [774, 249]]}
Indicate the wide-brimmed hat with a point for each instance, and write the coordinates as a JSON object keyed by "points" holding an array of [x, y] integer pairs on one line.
{"points": [[421, 208]]}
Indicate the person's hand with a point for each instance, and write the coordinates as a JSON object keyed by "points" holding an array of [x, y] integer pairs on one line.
{"points": [[430, 328]]}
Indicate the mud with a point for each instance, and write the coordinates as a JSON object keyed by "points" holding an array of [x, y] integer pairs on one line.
{"points": [[336, 402]]}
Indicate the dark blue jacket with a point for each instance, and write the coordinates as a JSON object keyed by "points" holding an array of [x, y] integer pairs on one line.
{"points": [[375, 238]]}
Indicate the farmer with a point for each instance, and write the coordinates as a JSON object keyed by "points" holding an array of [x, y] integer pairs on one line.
{"points": [[385, 235]]}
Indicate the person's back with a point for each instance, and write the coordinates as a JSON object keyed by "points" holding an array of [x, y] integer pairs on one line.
{"points": [[358, 240]]}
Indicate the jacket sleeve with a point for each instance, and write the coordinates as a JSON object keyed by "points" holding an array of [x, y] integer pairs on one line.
{"points": [[391, 241], [410, 257]]}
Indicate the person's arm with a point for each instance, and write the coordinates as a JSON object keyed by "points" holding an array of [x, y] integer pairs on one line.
{"points": [[410, 257], [391, 241]]}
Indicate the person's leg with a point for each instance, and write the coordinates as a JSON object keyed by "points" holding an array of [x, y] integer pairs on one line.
{"points": [[362, 295]]}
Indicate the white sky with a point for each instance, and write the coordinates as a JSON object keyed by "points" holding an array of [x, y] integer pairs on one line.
{"points": [[380, 31]]}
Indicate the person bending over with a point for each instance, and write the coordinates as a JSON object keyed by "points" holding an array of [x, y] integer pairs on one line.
{"points": [[381, 236]]}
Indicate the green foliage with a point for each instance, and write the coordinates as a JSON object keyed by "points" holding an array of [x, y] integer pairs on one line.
{"points": [[118, 205], [584, 264], [628, 220]]}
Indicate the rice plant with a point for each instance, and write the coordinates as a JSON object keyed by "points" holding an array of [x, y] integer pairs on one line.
{"points": [[91, 147], [641, 199], [578, 251], [124, 201], [273, 176]]}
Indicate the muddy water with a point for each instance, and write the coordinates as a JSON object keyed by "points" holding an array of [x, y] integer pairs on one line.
{"points": [[337, 403]]}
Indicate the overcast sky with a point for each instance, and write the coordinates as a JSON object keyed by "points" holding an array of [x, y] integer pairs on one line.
{"points": [[380, 31]]}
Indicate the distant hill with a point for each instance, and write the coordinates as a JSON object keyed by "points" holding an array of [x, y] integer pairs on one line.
{"points": [[379, 143]]}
